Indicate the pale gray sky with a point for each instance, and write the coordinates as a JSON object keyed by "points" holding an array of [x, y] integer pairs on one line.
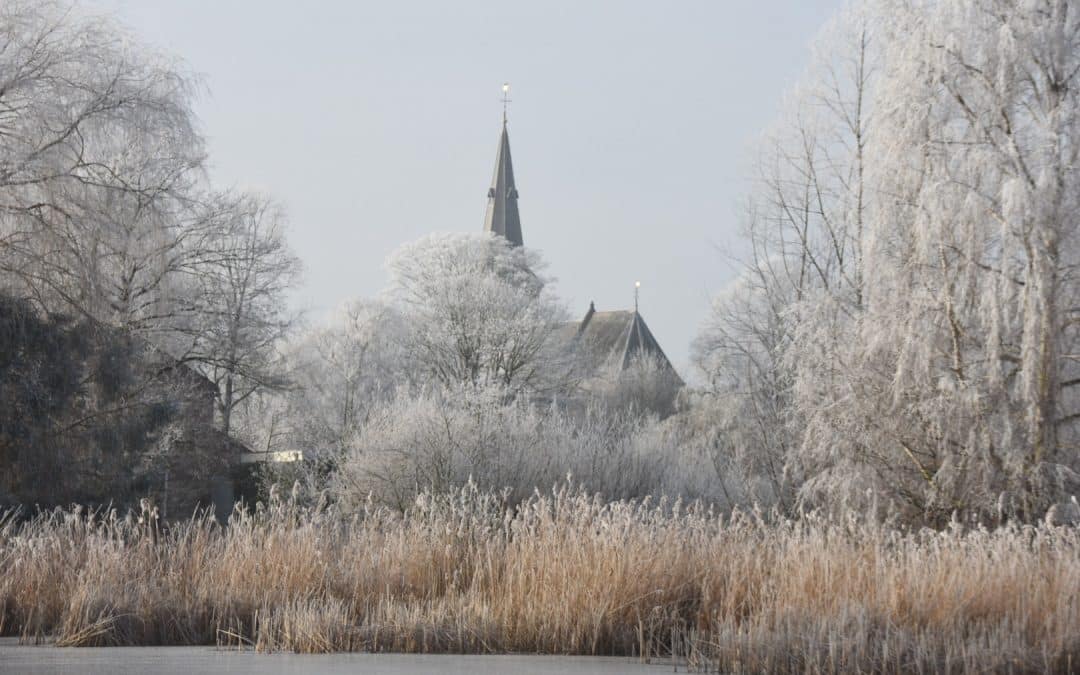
{"points": [[632, 125]]}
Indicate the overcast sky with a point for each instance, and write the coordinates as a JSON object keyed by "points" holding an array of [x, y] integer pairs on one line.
{"points": [[632, 127]]}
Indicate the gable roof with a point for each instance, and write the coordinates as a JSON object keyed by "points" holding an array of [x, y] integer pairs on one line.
{"points": [[617, 337]]}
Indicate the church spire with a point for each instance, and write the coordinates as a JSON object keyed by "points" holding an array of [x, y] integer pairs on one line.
{"points": [[502, 210]]}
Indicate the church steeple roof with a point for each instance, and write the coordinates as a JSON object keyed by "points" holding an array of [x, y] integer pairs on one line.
{"points": [[502, 209]]}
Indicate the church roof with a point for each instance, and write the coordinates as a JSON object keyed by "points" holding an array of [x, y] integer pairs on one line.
{"points": [[617, 337], [502, 216]]}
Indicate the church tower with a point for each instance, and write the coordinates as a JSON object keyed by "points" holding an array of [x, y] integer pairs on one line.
{"points": [[502, 216]]}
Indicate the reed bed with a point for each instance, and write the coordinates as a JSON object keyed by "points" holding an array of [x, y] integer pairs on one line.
{"points": [[563, 573]]}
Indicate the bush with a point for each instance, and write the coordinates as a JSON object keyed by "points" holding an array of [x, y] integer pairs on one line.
{"points": [[440, 439]]}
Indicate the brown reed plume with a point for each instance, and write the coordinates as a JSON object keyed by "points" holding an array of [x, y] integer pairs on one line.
{"points": [[563, 573]]}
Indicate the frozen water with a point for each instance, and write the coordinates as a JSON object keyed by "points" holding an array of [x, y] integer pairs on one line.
{"points": [[189, 660]]}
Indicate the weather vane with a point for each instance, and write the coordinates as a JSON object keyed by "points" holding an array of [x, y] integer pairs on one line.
{"points": [[505, 99]]}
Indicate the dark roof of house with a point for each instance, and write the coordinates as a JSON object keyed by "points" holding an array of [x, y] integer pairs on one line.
{"points": [[615, 337], [502, 216]]}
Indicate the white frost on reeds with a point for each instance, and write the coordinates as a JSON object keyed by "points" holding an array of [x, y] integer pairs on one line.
{"points": [[563, 573]]}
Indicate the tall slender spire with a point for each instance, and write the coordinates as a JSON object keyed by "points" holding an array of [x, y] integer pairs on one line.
{"points": [[502, 216]]}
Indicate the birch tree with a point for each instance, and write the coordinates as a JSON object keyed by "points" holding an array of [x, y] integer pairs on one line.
{"points": [[945, 382], [97, 149], [968, 358]]}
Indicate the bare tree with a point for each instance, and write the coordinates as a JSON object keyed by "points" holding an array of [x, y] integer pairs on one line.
{"points": [[805, 223], [135, 266], [246, 274], [97, 149], [341, 370]]}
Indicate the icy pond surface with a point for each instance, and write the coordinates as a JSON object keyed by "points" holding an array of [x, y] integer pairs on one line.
{"points": [[193, 660]]}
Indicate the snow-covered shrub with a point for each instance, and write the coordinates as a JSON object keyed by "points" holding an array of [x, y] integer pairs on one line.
{"points": [[441, 439], [647, 386]]}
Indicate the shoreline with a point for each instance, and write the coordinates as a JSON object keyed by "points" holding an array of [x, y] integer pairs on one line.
{"points": [[48, 658]]}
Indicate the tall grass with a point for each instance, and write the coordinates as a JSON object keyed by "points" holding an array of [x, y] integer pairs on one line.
{"points": [[563, 573]]}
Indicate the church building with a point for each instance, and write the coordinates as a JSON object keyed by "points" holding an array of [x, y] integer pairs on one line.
{"points": [[613, 338]]}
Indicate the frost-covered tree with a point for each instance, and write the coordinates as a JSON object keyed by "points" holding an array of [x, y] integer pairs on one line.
{"points": [[98, 151], [340, 371], [805, 222], [478, 311], [910, 327], [962, 389], [129, 260]]}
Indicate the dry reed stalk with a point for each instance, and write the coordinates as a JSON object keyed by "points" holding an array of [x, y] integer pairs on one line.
{"points": [[564, 573]]}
